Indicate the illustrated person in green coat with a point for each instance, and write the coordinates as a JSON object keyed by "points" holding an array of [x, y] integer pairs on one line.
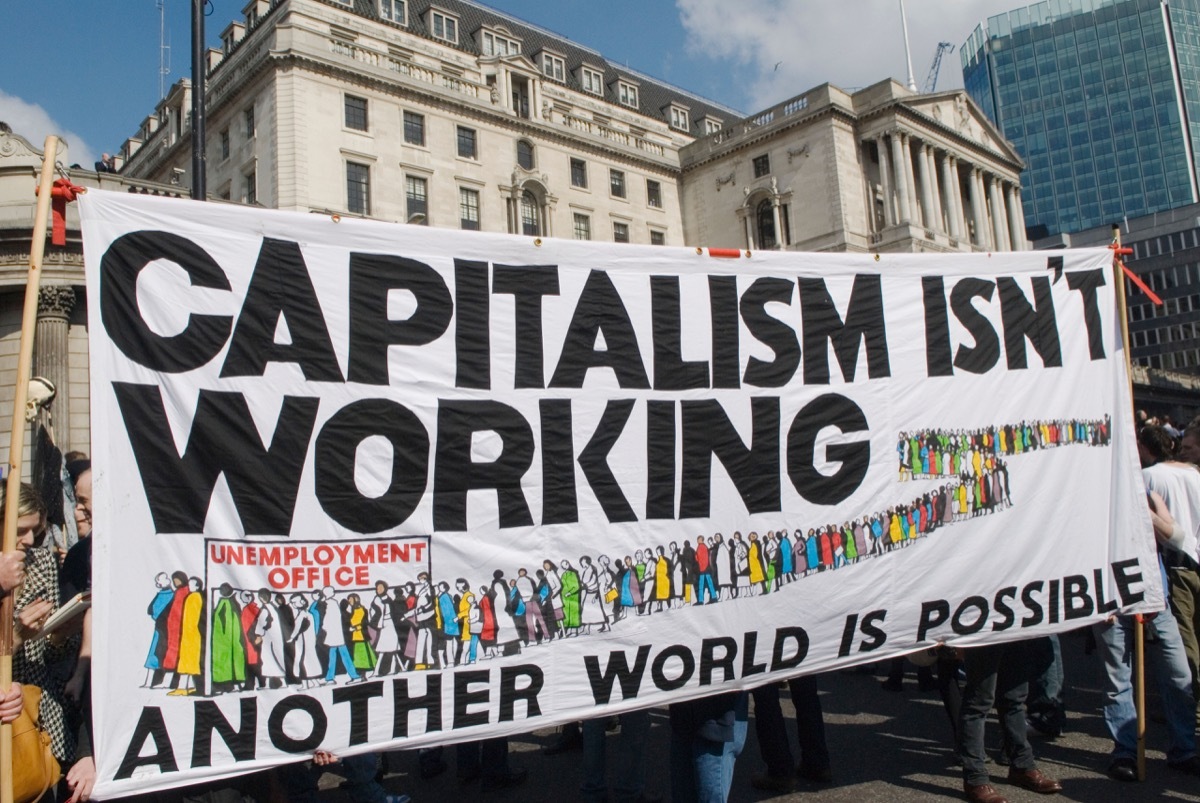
{"points": [[228, 651], [571, 591]]}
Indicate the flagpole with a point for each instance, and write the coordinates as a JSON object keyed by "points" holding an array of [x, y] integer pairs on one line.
{"points": [[17, 442], [1139, 628]]}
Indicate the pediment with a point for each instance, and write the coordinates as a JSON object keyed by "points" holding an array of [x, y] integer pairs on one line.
{"points": [[956, 112]]}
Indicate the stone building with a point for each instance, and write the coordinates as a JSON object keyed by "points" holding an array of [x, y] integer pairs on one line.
{"points": [[882, 169]]}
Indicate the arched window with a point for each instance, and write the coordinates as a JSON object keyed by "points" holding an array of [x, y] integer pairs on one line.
{"points": [[764, 216], [529, 215], [524, 154]]}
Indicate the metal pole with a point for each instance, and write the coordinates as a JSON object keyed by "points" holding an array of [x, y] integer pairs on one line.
{"points": [[199, 190]]}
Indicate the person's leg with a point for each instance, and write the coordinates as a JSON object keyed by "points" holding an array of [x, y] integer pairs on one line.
{"points": [[733, 748], [467, 759], [1175, 687], [1113, 640], [810, 728], [631, 756], [771, 731], [430, 763], [708, 758], [300, 782], [683, 767], [949, 689], [1012, 689], [978, 696], [595, 783]]}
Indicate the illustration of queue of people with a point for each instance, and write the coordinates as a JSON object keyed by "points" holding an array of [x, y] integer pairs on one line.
{"points": [[951, 453], [265, 639]]}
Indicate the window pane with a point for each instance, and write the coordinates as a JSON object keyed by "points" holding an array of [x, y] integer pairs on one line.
{"points": [[468, 208], [358, 188], [578, 173], [654, 194], [416, 196], [583, 227], [414, 128], [617, 183], [529, 215], [525, 154], [356, 113], [466, 142], [658, 237], [620, 232]]}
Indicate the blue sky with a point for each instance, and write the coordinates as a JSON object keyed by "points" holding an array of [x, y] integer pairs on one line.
{"points": [[89, 71]]}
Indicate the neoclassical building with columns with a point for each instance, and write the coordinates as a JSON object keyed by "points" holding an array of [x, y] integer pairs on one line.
{"points": [[881, 169]]}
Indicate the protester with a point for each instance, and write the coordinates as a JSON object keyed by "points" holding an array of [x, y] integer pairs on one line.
{"points": [[300, 780], [772, 735], [707, 736], [1174, 490], [997, 675], [629, 783]]}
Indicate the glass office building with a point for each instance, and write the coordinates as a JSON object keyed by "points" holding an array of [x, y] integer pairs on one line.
{"points": [[1102, 100]]}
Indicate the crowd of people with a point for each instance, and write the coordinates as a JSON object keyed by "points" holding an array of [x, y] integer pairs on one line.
{"points": [[257, 638]]}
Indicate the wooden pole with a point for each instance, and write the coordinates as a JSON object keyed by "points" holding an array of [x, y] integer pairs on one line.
{"points": [[1139, 627], [17, 442]]}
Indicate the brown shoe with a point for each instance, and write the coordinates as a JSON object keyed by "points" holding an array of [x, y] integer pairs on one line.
{"points": [[983, 793], [1034, 781]]}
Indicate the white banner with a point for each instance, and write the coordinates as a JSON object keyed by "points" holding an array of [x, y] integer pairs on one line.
{"points": [[362, 484]]}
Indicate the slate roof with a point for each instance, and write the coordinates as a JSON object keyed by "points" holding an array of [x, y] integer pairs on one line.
{"points": [[653, 95]]}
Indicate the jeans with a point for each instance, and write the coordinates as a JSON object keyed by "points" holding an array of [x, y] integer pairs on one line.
{"points": [[996, 675], [629, 756], [1115, 642], [706, 582], [701, 769], [772, 731], [1045, 702]]}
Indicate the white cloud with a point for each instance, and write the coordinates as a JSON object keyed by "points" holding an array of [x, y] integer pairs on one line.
{"points": [[34, 123], [794, 45]]}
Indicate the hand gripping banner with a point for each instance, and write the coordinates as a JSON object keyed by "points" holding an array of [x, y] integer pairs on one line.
{"points": [[360, 484]]}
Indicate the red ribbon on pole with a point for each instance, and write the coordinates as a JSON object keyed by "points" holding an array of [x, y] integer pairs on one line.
{"points": [[61, 193]]}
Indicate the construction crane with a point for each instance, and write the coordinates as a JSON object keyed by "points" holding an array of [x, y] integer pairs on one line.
{"points": [[931, 79]]}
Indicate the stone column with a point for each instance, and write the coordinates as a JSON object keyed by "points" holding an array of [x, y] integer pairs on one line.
{"points": [[939, 219], [775, 214], [999, 216], [950, 179], [748, 220], [51, 356], [1019, 210], [960, 208], [978, 215], [902, 193], [911, 178], [885, 179], [926, 186], [1016, 225]]}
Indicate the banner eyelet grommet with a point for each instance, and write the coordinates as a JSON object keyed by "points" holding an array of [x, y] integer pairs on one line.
{"points": [[336, 218], [537, 241]]}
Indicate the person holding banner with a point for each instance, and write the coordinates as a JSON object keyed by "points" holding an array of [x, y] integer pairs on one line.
{"points": [[1174, 498]]}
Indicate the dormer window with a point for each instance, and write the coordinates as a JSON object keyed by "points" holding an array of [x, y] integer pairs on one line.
{"points": [[553, 66], [495, 44], [711, 125], [680, 119], [627, 93], [591, 80], [394, 11], [443, 26]]}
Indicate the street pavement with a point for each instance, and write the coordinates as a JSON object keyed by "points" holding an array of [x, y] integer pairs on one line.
{"points": [[885, 746]]}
